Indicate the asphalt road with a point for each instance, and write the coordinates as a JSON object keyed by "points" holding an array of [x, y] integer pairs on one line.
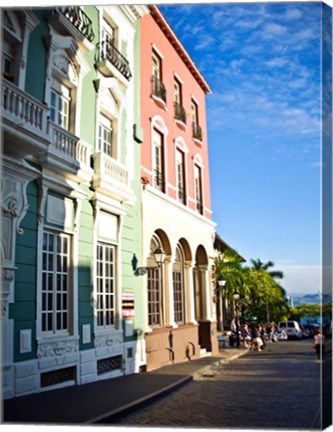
{"points": [[276, 388]]}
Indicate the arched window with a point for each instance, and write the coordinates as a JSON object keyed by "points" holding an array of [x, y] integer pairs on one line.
{"points": [[178, 285], [154, 288]]}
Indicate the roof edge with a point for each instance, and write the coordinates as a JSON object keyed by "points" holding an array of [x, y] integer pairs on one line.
{"points": [[175, 42]]}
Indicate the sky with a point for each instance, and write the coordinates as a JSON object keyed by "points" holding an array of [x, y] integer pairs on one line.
{"points": [[262, 63]]}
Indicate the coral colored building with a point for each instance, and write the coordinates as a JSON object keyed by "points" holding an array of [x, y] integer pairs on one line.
{"points": [[180, 321]]}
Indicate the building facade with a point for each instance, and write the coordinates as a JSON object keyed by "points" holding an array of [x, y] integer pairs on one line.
{"points": [[71, 210], [180, 318]]}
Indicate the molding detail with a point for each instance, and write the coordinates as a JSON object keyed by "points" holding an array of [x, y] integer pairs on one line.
{"points": [[106, 341], [55, 349]]}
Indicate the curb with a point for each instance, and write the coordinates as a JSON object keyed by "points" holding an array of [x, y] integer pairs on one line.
{"points": [[132, 406]]}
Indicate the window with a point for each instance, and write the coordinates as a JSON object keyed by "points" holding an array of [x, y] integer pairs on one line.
{"points": [[154, 289], [108, 40], [196, 129], [60, 104], [55, 282], [158, 86], [105, 285], [12, 47], [105, 135], [8, 64], [180, 176], [180, 113], [198, 189], [158, 160], [178, 285]]}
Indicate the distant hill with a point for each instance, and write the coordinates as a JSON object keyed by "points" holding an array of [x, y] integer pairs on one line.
{"points": [[299, 299]]}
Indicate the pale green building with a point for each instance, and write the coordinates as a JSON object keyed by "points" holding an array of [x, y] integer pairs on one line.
{"points": [[71, 196]]}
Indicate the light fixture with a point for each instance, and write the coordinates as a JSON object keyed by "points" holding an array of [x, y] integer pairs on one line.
{"points": [[222, 283], [236, 296], [159, 257]]}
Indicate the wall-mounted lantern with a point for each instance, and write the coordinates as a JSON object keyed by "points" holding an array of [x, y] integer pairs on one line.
{"points": [[159, 256]]}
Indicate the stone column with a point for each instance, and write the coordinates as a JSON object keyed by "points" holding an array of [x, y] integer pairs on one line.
{"points": [[189, 294], [169, 311]]}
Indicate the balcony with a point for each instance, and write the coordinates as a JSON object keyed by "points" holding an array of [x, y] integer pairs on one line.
{"points": [[24, 120], [67, 155], [111, 178], [158, 91], [109, 57], [196, 132], [72, 20], [180, 115]]}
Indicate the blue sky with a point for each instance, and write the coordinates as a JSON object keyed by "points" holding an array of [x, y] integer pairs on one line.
{"points": [[262, 62]]}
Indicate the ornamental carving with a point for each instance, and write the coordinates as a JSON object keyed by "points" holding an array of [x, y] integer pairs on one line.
{"points": [[55, 349], [106, 341]]}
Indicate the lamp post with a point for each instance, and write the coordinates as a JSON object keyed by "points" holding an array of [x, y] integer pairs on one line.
{"points": [[236, 299], [221, 283]]}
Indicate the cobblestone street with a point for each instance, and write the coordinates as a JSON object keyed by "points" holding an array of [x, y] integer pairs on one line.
{"points": [[276, 388]]}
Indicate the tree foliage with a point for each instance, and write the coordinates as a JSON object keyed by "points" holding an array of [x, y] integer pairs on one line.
{"points": [[262, 296]]}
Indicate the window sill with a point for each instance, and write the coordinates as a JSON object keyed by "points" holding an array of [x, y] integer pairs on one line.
{"points": [[180, 124], [159, 102], [198, 142]]}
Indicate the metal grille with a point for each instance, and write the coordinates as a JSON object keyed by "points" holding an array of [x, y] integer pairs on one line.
{"points": [[58, 376], [108, 364]]}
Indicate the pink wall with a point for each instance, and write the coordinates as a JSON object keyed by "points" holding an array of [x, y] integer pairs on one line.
{"points": [[153, 36]]}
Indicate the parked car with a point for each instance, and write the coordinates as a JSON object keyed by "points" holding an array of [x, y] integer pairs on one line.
{"points": [[292, 329]]}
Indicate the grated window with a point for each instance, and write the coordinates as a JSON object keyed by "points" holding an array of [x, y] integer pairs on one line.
{"points": [[58, 376], [108, 364]]}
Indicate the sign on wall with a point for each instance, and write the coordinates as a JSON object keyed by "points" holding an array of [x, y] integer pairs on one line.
{"points": [[128, 305]]}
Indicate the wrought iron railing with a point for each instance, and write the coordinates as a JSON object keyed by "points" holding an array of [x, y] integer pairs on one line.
{"points": [[158, 180], [199, 207], [196, 131], [158, 88], [180, 113], [107, 51], [79, 19], [181, 194]]}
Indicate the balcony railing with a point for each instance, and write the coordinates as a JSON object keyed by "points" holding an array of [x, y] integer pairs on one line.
{"points": [[199, 207], [79, 19], [181, 194], [158, 180], [196, 131], [158, 89], [63, 141], [180, 113], [107, 51], [22, 109]]}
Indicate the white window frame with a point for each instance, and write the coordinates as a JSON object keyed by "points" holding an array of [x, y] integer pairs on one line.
{"points": [[60, 111], [198, 189], [178, 284], [51, 298], [106, 276], [180, 175], [158, 165], [105, 127]]}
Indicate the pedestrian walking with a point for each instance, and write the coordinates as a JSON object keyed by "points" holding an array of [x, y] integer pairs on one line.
{"points": [[262, 334], [319, 344], [256, 339]]}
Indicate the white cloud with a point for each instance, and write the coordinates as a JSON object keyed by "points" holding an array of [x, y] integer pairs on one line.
{"points": [[300, 278]]}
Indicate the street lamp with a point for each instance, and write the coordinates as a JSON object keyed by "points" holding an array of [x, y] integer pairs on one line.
{"points": [[221, 283], [236, 297]]}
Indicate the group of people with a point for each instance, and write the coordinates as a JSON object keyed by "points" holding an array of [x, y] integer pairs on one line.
{"points": [[255, 337]]}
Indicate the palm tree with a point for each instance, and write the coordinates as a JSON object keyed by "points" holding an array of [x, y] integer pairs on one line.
{"points": [[259, 265]]}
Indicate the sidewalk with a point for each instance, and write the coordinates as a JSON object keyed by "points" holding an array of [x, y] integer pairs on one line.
{"points": [[98, 401]]}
